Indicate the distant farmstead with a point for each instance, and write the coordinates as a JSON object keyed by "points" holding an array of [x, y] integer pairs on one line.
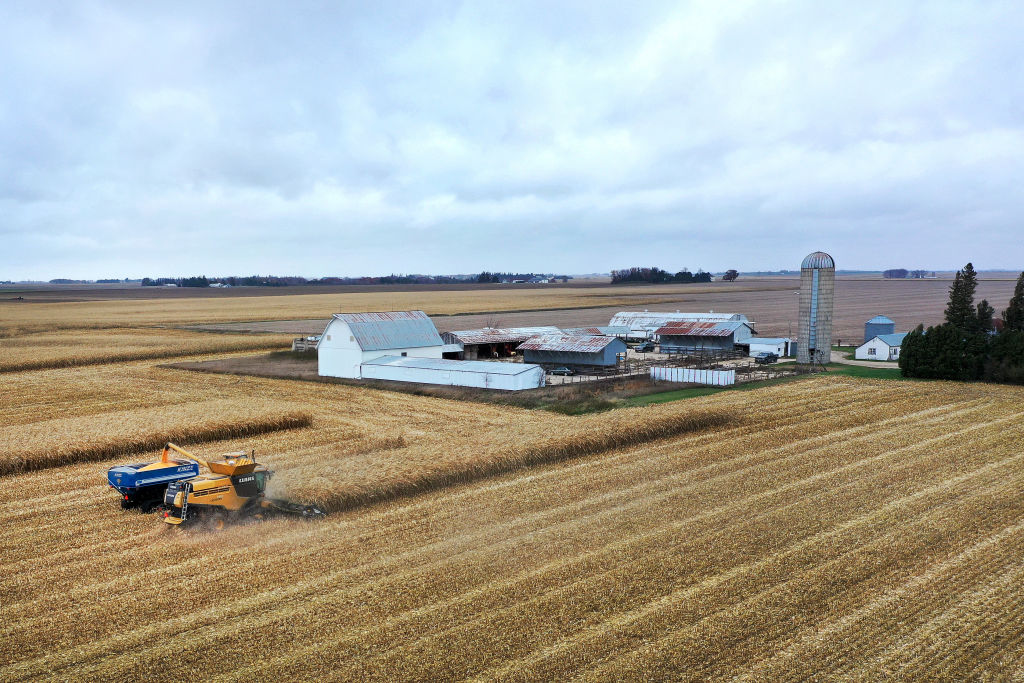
{"points": [[351, 339]]}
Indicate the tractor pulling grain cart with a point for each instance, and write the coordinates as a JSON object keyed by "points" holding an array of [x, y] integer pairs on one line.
{"points": [[233, 488]]}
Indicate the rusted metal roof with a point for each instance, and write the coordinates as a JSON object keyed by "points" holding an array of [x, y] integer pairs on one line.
{"points": [[391, 329], [498, 335], [688, 329], [607, 330], [652, 320], [585, 343]]}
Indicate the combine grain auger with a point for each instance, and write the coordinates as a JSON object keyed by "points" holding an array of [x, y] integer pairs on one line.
{"points": [[233, 488]]}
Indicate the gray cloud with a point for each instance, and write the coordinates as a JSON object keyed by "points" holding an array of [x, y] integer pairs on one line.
{"points": [[325, 138]]}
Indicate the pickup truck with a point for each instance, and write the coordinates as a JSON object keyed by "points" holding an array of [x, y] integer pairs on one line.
{"points": [[766, 357], [646, 347]]}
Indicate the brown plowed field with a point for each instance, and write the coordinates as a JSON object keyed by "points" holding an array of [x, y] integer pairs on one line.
{"points": [[770, 302]]}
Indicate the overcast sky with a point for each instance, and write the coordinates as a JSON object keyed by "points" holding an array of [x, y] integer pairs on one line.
{"points": [[305, 138]]}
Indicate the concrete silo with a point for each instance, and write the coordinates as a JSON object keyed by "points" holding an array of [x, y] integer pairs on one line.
{"points": [[817, 289]]}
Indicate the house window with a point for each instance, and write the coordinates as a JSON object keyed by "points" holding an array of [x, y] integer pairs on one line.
{"points": [[405, 353], [871, 351]]}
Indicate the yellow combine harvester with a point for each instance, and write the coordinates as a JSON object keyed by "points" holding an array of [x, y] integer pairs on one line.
{"points": [[233, 488]]}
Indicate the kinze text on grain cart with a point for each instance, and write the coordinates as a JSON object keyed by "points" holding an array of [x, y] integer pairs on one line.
{"points": [[233, 488], [143, 484]]}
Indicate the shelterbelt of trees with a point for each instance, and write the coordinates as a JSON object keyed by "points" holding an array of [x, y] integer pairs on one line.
{"points": [[657, 275], [972, 344]]}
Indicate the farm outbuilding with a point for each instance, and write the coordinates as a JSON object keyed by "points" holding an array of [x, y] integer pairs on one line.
{"points": [[459, 373], [351, 339], [573, 350], [780, 346], [493, 342], [693, 337], [878, 326], [881, 347], [644, 324]]}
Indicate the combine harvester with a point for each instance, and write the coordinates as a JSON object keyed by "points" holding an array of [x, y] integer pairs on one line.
{"points": [[234, 488]]}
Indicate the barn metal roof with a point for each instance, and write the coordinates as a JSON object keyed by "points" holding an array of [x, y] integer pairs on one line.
{"points": [[499, 335], [391, 329], [892, 339], [607, 330], [652, 320], [690, 329], [880, 320], [584, 343], [818, 259], [475, 366]]}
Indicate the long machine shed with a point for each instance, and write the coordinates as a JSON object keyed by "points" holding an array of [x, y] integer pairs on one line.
{"points": [[460, 373]]}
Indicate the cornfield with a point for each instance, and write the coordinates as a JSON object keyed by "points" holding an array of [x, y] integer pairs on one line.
{"points": [[51, 443], [92, 347], [830, 528]]}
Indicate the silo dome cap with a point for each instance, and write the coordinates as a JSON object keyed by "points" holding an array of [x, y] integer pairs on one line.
{"points": [[818, 259], [880, 320]]}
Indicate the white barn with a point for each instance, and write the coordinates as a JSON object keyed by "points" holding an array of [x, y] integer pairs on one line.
{"points": [[351, 339], [460, 373], [881, 347]]}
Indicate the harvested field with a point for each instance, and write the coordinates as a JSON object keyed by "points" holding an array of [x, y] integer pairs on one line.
{"points": [[55, 349], [828, 527]]}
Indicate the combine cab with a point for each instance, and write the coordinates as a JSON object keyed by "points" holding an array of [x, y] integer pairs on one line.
{"points": [[142, 484], [234, 488]]}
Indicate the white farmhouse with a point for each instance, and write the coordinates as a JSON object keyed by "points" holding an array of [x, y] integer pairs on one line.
{"points": [[351, 339], [881, 347]]}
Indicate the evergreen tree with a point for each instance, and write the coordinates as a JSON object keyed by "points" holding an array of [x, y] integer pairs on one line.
{"points": [[960, 312], [910, 352], [1013, 317], [984, 316]]}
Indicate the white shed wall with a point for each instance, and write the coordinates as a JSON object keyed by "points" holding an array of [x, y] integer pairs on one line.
{"points": [[528, 379]]}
